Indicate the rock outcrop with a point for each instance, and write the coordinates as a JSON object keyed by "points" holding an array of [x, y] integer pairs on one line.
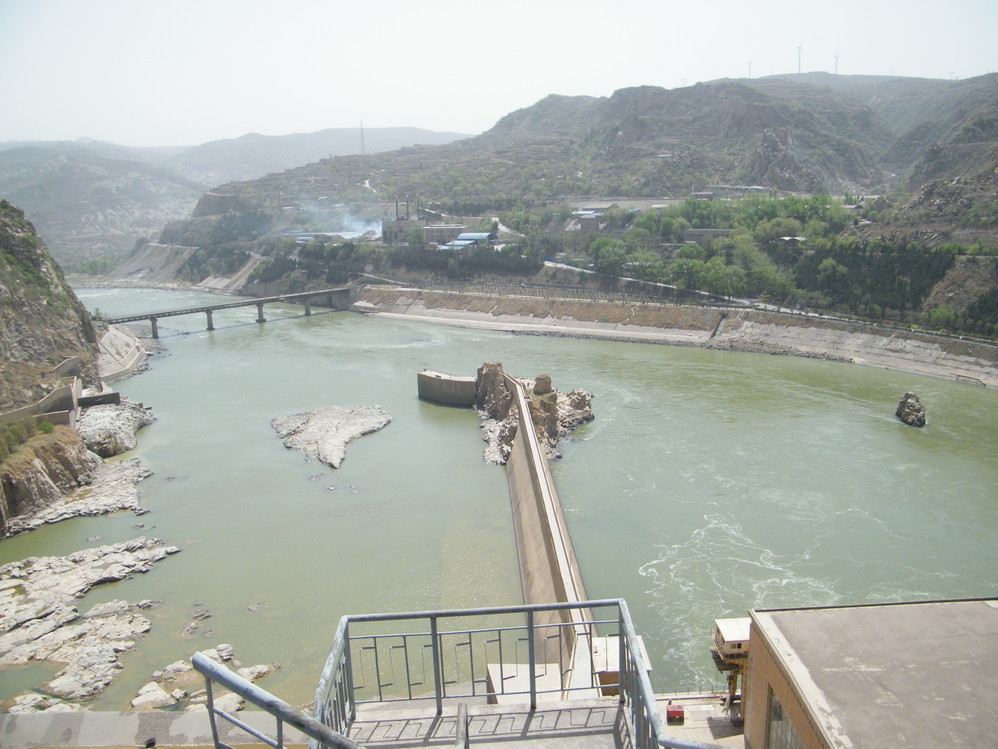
{"points": [[552, 413], [911, 411], [110, 430], [324, 432], [42, 322], [113, 487], [42, 472], [39, 620]]}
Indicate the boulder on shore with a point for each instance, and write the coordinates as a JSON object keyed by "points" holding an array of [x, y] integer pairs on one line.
{"points": [[109, 430], [324, 432], [911, 411]]}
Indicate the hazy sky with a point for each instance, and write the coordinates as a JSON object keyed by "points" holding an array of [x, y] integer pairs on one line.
{"points": [[182, 72]]}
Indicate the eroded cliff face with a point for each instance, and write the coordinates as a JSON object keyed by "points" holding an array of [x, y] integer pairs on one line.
{"points": [[42, 472], [41, 320]]}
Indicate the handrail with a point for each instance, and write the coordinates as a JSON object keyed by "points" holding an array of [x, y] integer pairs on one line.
{"points": [[647, 694], [461, 729], [285, 713]]}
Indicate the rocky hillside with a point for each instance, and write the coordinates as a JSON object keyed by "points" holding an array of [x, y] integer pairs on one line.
{"points": [[804, 134], [41, 320]]}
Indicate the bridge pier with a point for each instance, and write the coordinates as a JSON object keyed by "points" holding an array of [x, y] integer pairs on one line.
{"points": [[155, 327], [211, 324], [308, 308], [259, 312]]}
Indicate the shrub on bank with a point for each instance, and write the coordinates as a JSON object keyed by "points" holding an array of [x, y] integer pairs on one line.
{"points": [[15, 434]]}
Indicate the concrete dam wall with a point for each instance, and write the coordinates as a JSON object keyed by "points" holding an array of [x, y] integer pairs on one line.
{"points": [[549, 571]]}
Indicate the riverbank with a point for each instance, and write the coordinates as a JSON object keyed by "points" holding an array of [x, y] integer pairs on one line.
{"points": [[733, 329]]}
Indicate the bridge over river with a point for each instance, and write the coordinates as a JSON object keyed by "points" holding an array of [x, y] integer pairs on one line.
{"points": [[338, 298]]}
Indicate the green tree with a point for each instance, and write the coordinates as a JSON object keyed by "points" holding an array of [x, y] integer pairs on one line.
{"points": [[943, 316], [687, 272], [608, 256], [723, 279]]}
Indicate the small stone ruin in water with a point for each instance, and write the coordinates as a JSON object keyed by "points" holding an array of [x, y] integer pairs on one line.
{"points": [[554, 414]]}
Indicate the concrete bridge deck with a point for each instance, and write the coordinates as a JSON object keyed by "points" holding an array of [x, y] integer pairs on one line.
{"points": [[306, 297]]}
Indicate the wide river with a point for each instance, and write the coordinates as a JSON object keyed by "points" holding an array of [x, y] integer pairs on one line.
{"points": [[709, 483]]}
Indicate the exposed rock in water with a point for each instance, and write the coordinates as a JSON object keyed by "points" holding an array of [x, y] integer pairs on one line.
{"points": [[324, 432], [552, 413], [40, 703], [109, 430], [180, 683], [39, 620], [911, 411]]}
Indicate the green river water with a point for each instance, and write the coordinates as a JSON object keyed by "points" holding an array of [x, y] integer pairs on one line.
{"points": [[709, 483]]}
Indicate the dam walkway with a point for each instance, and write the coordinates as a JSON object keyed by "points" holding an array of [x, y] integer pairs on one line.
{"points": [[337, 298]]}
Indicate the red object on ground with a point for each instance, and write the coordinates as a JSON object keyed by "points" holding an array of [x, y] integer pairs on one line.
{"points": [[675, 712]]}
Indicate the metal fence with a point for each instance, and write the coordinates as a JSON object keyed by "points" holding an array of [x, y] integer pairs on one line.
{"points": [[459, 657]]}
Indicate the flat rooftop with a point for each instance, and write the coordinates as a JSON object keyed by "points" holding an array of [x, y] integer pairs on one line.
{"points": [[907, 674]]}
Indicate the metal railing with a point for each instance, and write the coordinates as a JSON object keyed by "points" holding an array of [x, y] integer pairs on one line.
{"points": [[284, 714], [465, 655]]}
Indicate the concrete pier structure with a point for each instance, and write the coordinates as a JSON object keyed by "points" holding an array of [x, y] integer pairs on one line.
{"points": [[446, 389]]}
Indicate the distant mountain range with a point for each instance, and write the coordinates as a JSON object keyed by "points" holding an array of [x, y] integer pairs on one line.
{"points": [[90, 199], [801, 133], [805, 133]]}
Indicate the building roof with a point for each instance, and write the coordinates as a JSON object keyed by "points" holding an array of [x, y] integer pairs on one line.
{"points": [[734, 630], [907, 674]]}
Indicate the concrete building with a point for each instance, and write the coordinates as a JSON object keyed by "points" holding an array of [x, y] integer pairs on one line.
{"points": [[397, 231], [886, 675], [442, 233]]}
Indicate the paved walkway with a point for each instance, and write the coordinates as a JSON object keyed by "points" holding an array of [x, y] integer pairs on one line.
{"points": [[558, 726], [589, 724]]}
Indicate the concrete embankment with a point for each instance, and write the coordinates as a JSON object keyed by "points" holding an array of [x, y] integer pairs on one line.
{"points": [[121, 354], [707, 327]]}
